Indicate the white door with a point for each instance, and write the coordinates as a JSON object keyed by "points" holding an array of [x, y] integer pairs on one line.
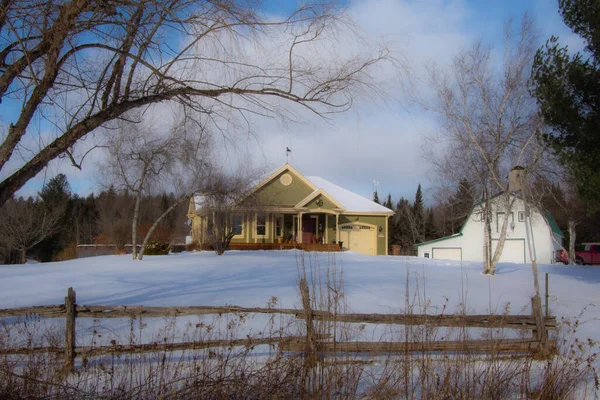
{"points": [[359, 238], [447, 254], [513, 252]]}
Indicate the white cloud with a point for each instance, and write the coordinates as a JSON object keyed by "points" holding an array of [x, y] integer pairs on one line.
{"points": [[378, 139]]}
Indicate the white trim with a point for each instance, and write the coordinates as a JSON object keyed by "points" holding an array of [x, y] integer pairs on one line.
{"points": [[358, 223], [240, 236], [283, 168], [316, 193], [267, 226], [387, 238]]}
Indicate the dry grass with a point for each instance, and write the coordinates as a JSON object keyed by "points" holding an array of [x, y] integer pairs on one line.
{"points": [[265, 371]]}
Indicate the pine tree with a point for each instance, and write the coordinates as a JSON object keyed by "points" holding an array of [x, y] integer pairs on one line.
{"points": [[460, 206], [418, 216], [56, 198], [375, 197], [430, 228], [388, 202], [567, 88]]}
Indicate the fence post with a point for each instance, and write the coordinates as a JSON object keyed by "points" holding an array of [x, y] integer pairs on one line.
{"points": [[308, 315], [70, 330], [539, 334]]}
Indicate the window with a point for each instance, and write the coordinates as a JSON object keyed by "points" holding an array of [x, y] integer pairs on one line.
{"points": [[426, 254], [521, 216], [500, 220], [261, 225], [236, 225], [278, 224]]}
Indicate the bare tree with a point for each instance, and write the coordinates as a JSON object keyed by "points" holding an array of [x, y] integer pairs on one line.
{"points": [[226, 204], [141, 157], [489, 124], [25, 223], [72, 66], [554, 184]]}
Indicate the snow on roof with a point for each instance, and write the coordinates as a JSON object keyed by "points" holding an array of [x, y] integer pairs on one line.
{"points": [[351, 201]]}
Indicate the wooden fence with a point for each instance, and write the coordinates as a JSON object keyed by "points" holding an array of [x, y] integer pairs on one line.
{"points": [[312, 343]]}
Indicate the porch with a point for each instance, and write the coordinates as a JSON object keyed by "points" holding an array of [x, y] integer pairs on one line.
{"points": [[322, 247]]}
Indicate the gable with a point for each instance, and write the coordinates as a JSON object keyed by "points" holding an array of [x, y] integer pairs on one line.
{"points": [[321, 201], [285, 189]]}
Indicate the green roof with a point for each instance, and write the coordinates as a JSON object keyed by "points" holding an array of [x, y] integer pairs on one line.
{"points": [[553, 225]]}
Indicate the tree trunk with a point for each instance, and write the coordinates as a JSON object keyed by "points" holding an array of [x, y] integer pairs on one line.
{"points": [[155, 224], [572, 236], [502, 236], [487, 235], [23, 256], [136, 212]]}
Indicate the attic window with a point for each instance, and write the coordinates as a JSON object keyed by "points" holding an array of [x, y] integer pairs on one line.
{"points": [[286, 179], [521, 216]]}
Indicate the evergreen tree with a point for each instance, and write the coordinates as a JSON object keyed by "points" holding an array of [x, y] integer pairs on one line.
{"points": [[375, 197], [388, 202], [56, 198], [460, 206], [430, 228], [567, 88], [418, 216]]}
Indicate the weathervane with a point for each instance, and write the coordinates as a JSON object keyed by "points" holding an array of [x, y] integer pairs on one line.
{"points": [[287, 153]]}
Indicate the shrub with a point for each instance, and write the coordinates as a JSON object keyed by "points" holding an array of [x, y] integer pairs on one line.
{"points": [[155, 248]]}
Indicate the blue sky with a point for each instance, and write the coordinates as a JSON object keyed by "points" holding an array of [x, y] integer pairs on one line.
{"points": [[380, 141]]}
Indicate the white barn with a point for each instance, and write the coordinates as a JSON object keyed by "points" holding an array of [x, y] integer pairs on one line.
{"points": [[467, 245]]}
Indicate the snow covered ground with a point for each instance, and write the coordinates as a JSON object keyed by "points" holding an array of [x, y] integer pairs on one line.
{"points": [[246, 278]]}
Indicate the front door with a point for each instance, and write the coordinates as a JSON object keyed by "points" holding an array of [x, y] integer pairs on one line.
{"points": [[309, 226]]}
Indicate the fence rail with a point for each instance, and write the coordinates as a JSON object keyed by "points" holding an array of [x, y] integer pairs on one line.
{"points": [[526, 322], [311, 343]]}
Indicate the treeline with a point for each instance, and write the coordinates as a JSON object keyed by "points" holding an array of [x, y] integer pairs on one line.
{"points": [[414, 223], [50, 226]]}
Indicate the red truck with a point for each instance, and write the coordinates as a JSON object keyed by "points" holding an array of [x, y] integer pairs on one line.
{"points": [[590, 255]]}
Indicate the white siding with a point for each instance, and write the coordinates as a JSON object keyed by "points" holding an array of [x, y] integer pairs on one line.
{"points": [[471, 240]]}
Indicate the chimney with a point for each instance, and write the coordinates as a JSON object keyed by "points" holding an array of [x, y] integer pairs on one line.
{"points": [[516, 178]]}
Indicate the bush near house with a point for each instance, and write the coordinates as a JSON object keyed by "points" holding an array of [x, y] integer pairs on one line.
{"points": [[156, 248]]}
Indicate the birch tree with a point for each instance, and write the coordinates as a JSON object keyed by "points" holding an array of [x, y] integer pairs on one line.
{"points": [[68, 67], [488, 124], [140, 157]]}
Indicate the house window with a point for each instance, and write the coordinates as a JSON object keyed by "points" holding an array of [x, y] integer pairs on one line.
{"points": [[500, 220], [278, 225], [521, 216], [236, 225], [209, 225], [261, 225], [426, 254]]}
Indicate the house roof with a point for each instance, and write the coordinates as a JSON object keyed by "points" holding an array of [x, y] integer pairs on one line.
{"points": [[553, 225], [548, 216], [350, 201]]}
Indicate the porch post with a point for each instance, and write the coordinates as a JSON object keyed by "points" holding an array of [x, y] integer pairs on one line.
{"points": [[254, 227], [326, 225], [387, 237], [337, 228], [299, 238]]}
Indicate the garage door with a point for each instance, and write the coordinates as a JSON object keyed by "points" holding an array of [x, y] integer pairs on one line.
{"points": [[514, 251], [447, 254], [359, 238]]}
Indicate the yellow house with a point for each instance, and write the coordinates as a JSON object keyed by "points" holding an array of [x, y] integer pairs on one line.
{"points": [[291, 208]]}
